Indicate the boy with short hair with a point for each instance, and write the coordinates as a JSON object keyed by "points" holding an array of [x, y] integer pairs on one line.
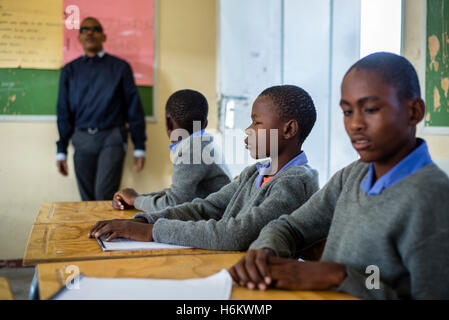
{"points": [[231, 218], [185, 119], [385, 216]]}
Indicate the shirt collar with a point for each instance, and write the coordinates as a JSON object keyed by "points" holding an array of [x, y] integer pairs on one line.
{"points": [[264, 169], [417, 159], [196, 133], [99, 54]]}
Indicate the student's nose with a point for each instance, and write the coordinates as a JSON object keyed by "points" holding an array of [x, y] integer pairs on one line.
{"points": [[357, 121]]}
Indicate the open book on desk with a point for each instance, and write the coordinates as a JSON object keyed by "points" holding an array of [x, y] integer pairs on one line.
{"points": [[122, 244]]}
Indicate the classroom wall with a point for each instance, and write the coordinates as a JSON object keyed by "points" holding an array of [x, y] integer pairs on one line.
{"points": [[412, 50], [186, 58]]}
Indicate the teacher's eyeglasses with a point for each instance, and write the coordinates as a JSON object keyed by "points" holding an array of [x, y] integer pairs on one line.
{"points": [[94, 29]]}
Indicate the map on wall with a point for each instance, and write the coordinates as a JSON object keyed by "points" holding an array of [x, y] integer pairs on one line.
{"points": [[437, 64]]}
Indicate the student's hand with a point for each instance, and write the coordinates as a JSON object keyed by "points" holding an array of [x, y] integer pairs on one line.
{"points": [[62, 166], [294, 275], [123, 228], [139, 163], [252, 270], [124, 199], [100, 224]]}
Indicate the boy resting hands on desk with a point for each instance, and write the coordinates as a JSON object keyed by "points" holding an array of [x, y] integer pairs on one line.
{"points": [[230, 219], [185, 122], [385, 216]]}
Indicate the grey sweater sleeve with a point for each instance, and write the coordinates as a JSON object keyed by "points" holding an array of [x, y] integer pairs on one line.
{"points": [[185, 178], [358, 284], [304, 226], [428, 274], [423, 248], [234, 233], [212, 207]]}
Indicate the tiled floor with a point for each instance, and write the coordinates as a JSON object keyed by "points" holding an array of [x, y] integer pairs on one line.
{"points": [[19, 280]]}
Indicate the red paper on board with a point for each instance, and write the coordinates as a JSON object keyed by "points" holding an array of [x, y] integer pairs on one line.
{"points": [[129, 27]]}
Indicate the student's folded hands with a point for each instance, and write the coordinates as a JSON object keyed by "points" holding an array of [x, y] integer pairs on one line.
{"points": [[262, 269], [252, 269], [135, 229]]}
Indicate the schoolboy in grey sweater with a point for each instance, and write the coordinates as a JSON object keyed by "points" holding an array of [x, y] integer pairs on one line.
{"points": [[402, 232], [193, 177], [385, 216], [231, 218], [190, 178]]}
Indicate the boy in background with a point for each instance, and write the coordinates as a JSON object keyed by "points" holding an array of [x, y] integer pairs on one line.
{"points": [[385, 216], [231, 218], [190, 179]]}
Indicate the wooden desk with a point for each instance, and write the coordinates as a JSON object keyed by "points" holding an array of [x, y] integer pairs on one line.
{"points": [[169, 267], [54, 242], [83, 211], [60, 234], [5, 290]]}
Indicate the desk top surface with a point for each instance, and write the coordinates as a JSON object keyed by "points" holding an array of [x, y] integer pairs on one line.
{"points": [[82, 211], [60, 234], [52, 276], [69, 241], [5, 290]]}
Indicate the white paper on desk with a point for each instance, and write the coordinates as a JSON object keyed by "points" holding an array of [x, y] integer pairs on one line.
{"points": [[122, 244], [215, 287]]}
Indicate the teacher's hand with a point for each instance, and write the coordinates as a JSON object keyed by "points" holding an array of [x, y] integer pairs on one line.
{"points": [[139, 163], [62, 167]]}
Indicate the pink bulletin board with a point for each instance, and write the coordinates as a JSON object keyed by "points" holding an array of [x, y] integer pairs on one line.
{"points": [[129, 27]]}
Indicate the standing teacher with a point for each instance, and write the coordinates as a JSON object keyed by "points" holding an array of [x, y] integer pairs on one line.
{"points": [[97, 97]]}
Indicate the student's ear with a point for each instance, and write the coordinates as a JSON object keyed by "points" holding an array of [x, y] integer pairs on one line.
{"points": [[205, 124], [291, 129], [416, 110], [169, 126]]}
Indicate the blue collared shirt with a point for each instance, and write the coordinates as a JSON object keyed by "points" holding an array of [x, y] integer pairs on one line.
{"points": [[417, 159], [196, 133], [265, 169]]}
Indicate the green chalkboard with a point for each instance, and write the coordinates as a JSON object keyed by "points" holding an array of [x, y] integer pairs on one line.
{"points": [[146, 96], [437, 64], [35, 92]]}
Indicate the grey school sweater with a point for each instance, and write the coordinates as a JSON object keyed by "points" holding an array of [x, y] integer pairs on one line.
{"points": [[198, 170], [231, 218], [404, 231]]}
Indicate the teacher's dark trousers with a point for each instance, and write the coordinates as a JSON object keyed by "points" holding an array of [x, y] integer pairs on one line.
{"points": [[99, 157]]}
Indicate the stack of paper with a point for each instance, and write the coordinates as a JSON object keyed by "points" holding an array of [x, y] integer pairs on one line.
{"points": [[215, 287]]}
